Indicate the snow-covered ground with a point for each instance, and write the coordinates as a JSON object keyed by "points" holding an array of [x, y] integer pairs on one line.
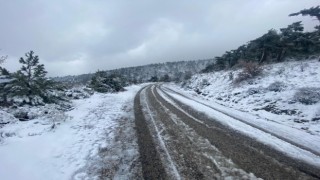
{"points": [[94, 139], [287, 93], [269, 108]]}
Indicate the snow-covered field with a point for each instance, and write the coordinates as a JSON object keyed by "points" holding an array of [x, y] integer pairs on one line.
{"points": [[94, 139], [287, 93]]}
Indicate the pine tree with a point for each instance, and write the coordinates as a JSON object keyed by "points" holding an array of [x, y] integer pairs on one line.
{"points": [[310, 41], [291, 40], [220, 64], [3, 71], [30, 81], [165, 78], [4, 80], [103, 83], [268, 45], [313, 12]]}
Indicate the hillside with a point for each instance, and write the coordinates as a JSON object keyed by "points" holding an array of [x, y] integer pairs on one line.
{"points": [[176, 71], [287, 93]]}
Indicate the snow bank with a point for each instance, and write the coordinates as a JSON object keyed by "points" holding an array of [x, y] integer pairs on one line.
{"points": [[273, 96], [34, 150]]}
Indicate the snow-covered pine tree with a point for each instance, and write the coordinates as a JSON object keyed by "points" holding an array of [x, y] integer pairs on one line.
{"points": [[30, 82], [103, 83], [310, 40], [3, 71], [165, 78], [313, 12], [4, 80]]}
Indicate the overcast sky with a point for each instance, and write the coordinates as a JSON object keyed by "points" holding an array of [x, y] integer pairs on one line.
{"points": [[81, 36]]}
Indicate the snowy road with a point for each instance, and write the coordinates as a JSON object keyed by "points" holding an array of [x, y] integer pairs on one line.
{"points": [[178, 139]]}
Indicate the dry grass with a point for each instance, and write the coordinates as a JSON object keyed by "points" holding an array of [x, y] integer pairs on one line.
{"points": [[249, 70]]}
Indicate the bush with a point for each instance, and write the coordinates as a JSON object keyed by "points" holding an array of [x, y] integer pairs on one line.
{"points": [[276, 86], [252, 91], [21, 115], [204, 83], [231, 76], [47, 113], [79, 93], [316, 115], [250, 70], [104, 83], [6, 118], [280, 71], [209, 68], [307, 95]]}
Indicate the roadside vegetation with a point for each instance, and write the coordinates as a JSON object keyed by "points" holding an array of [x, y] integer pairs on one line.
{"points": [[275, 46], [274, 77], [29, 85]]}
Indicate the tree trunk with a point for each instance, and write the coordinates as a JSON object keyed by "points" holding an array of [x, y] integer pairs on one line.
{"points": [[281, 54], [263, 56]]}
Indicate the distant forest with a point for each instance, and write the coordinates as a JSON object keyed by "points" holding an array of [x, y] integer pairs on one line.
{"points": [[169, 71]]}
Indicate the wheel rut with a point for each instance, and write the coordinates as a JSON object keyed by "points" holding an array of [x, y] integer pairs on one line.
{"points": [[152, 167]]}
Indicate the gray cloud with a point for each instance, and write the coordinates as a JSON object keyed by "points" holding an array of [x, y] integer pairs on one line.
{"points": [[79, 36]]}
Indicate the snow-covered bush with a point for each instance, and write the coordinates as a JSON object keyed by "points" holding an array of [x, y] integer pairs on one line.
{"points": [[280, 71], [6, 117], [51, 112], [316, 115], [22, 100], [79, 93], [4, 135], [103, 83], [250, 70], [277, 86], [231, 76], [22, 115], [252, 91], [204, 83], [303, 66], [307, 95]]}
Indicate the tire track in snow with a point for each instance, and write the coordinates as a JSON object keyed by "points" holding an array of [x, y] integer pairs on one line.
{"points": [[162, 144], [248, 153], [152, 167], [202, 159]]}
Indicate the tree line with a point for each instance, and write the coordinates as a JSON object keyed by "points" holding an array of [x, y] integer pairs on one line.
{"points": [[274, 46]]}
